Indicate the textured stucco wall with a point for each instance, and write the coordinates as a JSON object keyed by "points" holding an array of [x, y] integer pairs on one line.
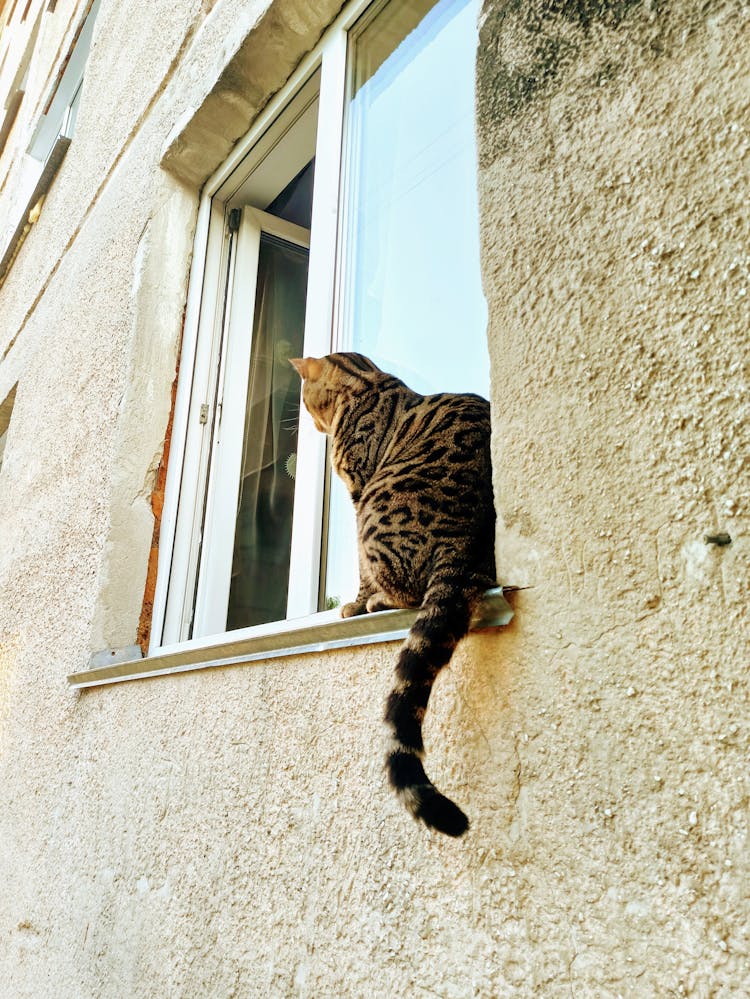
{"points": [[615, 146], [230, 834]]}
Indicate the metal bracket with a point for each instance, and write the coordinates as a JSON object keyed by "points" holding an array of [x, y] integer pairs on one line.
{"points": [[112, 657]]}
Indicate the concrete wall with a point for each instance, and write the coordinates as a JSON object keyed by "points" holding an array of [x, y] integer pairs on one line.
{"points": [[210, 834]]}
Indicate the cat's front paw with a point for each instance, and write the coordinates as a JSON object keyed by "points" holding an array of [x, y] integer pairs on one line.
{"points": [[354, 608], [379, 602]]}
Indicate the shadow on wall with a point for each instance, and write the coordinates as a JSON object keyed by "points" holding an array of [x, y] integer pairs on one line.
{"points": [[526, 47]]}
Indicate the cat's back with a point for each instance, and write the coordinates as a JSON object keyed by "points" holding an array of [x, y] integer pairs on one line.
{"points": [[430, 498], [442, 429], [437, 459]]}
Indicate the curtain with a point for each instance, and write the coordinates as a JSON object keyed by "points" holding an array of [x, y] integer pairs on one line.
{"points": [[263, 533]]}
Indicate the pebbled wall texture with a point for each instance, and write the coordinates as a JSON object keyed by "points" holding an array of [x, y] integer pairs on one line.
{"points": [[229, 833]]}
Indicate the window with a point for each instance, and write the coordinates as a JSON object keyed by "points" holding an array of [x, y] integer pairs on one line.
{"points": [[51, 137], [61, 108], [16, 37], [347, 220]]}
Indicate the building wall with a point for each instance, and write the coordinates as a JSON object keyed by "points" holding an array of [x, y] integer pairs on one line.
{"points": [[614, 193], [210, 834]]}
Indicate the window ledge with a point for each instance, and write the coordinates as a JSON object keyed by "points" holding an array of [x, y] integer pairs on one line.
{"points": [[313, 634]]}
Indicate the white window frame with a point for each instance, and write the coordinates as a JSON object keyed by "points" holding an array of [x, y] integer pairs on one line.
{"points": [[182, 602], [305, 630], [188, 465], [213, 582]]}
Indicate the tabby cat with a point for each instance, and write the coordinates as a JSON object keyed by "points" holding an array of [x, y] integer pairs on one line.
{"points": [[418, 470]]}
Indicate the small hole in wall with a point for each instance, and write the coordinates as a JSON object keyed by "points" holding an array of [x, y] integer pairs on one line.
{"points": [[721, 540]]}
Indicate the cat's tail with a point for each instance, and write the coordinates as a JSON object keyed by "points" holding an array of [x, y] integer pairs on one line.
{"points": [[442, 621]]}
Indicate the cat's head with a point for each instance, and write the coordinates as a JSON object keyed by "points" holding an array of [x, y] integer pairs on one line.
{"points": [[331, 381]]}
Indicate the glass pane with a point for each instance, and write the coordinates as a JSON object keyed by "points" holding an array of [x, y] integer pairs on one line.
{"points": [[413, 291], [260, 565], [413, 297], [69, 121]]}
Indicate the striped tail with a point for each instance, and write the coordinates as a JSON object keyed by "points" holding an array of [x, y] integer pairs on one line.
{"points": [[441, 623]]}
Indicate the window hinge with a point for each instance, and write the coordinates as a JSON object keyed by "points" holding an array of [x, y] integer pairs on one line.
{"points": [[234, 219], [204, 413]]}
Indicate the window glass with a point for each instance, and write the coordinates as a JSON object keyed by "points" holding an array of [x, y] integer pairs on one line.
{"points": [[263, 530], [294, 203], [412, 293], [413, 296]]}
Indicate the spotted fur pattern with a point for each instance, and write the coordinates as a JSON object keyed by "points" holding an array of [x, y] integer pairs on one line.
{"points": [[418, 471]]}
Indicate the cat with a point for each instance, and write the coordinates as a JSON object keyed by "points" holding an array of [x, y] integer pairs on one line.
{"points": [[418, 472]]}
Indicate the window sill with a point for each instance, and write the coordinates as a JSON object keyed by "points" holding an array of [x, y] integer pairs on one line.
{"points": [[318, 633]]}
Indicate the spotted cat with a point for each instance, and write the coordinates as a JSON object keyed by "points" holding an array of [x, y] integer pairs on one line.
{"points": [[418, 471]]}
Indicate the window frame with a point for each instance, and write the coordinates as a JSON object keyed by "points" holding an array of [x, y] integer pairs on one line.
{"points": [[52, 134], [204, 307], [177, 582], [213, 581]]}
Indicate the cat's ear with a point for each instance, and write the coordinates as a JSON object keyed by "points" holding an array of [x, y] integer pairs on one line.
{"points": [[308, 368]]}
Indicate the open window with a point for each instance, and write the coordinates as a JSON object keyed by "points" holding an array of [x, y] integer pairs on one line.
{"points": [[248, 519], [347, 220]]}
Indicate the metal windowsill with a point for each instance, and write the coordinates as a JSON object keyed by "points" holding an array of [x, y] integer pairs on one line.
{"points": [[314, 634]]}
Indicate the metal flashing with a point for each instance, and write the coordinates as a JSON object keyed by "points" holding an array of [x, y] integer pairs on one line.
{"points": [[314, 634]]}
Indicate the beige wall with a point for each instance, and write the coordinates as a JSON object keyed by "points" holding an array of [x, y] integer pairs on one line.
{"points": [[230, 834], [616, 236]]}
